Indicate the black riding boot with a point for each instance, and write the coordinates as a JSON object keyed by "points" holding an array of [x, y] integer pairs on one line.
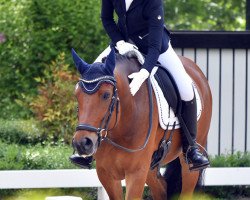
{"points": [[194, 157]]}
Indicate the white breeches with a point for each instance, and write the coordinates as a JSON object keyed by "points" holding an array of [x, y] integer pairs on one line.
{"points": [[173, 64]]}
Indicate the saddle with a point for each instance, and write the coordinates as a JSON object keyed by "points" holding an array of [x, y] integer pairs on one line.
{"points": [[168, 87], [168, 98]]}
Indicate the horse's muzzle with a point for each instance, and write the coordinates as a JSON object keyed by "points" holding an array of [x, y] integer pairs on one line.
{"points": [[83, 146]]}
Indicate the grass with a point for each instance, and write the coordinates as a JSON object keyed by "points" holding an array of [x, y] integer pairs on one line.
{"points": [[41, 194]]}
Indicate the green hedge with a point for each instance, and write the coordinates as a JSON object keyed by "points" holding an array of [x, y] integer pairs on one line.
{"points": [[20, 131], [228, 192], [238, 159], [18, 157]]}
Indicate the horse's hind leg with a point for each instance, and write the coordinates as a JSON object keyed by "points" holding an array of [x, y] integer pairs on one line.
{"points": [[157, 186], [189, 181]]}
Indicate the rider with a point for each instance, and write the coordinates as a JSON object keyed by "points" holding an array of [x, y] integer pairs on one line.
{"points": [[141, 25]]}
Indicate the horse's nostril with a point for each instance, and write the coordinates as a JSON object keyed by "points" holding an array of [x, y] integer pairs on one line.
{"points": [[87, 143], [84, 146]]}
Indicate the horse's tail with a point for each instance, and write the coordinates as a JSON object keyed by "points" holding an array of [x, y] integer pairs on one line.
{"points": [[174, 179]]}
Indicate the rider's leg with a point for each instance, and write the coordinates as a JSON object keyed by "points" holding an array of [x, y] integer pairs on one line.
{"points": [[172, 63]]}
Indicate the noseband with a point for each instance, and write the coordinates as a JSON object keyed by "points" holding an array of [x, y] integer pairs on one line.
{"points": [[114, 103]]}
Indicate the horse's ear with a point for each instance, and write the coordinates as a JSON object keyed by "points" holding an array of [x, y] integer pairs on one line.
{"points": [[79, 63], [110, 61]]}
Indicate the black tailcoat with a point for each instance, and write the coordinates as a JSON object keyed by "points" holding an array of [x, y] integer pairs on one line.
{"points": [[143, 23]]}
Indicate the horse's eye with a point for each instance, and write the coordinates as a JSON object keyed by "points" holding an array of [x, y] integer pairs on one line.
{"points": [[105, 96]]}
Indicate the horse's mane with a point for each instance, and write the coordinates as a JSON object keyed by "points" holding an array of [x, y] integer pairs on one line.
{"points": [[125, 65], [119, 58]]}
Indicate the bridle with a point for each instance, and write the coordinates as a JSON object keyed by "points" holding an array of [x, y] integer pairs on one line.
{"points": [[106, 119]]}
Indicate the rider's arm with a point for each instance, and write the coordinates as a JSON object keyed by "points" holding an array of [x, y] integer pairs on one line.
{"points": [[154, 14], [107, 17]]}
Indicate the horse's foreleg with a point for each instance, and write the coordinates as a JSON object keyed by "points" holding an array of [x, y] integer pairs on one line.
{"points": [[135, 183], [112, 186], [189, 181], [157, 186]]}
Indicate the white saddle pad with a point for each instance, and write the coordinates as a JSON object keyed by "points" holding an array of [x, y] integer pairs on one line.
{"points": [[166, 114]]}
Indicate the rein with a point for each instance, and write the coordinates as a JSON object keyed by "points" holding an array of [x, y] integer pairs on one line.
{"points": [[105, 121], [149, 129]]}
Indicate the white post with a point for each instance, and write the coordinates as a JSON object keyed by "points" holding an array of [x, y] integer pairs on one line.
{"points": [[102, 194]]}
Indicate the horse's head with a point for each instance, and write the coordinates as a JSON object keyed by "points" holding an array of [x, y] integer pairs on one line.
{"points": [[97, 96]]}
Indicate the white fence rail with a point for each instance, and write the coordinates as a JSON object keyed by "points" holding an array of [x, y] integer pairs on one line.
{"points": [[75, 178], [66, 178]]}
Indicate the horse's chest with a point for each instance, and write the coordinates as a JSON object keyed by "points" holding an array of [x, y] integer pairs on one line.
{"points": [[111, 161]]}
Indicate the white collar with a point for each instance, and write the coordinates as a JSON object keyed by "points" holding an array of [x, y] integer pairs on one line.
{"points": [[128, 3]]}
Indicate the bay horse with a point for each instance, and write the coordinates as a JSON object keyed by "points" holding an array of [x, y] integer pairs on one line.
{"points": [[117, 129]]}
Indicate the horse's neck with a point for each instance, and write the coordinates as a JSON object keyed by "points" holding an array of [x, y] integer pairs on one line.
{"points": [[126, 66], [130, 106], [122, 70]]}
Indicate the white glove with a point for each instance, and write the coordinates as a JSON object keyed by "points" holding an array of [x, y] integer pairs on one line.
{"points": [[124, 47], [138, 79], [137, 54]]}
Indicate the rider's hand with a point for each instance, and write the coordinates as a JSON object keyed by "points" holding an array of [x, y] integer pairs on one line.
{"points": [[124, 47], [138, 79]]}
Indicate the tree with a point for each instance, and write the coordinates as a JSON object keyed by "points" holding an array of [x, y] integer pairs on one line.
{"points": [[34, 33], [247, 14], [205, 14]]}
